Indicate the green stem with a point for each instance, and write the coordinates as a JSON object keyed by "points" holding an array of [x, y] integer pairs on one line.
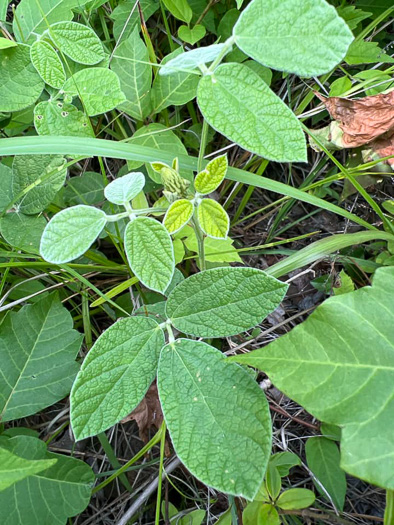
{"points": [[389, 510], [162, 445], [234, 517], [203, 144], [200, 243]]}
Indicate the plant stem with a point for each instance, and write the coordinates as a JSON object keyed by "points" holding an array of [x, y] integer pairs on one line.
{"points": [[389, 510], [200, 243], [160, 480], [203, 144]]}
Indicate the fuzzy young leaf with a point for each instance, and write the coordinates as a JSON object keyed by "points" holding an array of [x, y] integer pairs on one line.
{"points": [[123, 189], [237, 103], [198, 392], [38, 347], [115, 375], [48, 64], [307, 38], [213, 175], [54, 494], [20, 84], [213, 219], [13, 468], [98, 87], [150, 253], [178, 215], [60, 118], [180, 9], [190, 60], [71, 232], [223, 301], [28, 170], [326, 365], [77, 41], [23, 231]]}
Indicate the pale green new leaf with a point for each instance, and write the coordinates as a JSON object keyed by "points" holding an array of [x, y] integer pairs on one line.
{"points": [[223, 301], [212, 176], [115, 375], [48, 64], [20, 84], [13, 468], [307, 38], [131, 63], [123, 189], [217, 416], [175, 89], [126, 16], [43, 174], [77, 41], [50, 496], [150, 253], [23, 231], [339, 365], [98, 88], [53, 117], [296, 499], [213, 219], [180, 9], [237, 103], [71, 232], [38, 347], [190, 60], [178, 215], [323, 458]]}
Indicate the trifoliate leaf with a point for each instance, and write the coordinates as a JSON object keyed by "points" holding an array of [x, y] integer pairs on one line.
{"points": [[210, 179], [23, 231], [53, 117], [115, 375], [237, 103], [327, 366], [190, 60], [150, 253], [43, 174], [178, 215], [213, 219], [77, 41], [38, 347], [50, 496], [223, 301], [13, 468], [48, 64], [206, 402], [20, 84], [98, 88], [314, 41], [71, 232], [123, 189]]}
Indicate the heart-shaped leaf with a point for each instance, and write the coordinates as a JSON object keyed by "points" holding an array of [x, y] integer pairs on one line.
{"points": [[191, 35]]}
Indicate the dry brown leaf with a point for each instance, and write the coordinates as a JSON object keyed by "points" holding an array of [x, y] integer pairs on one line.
{"points": [[363, 120], [384, 146], [147, 414]]}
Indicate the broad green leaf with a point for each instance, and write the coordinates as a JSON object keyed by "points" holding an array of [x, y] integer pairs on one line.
{"points": [[123, 189], [13, 468], [43, 174], [23, 231], [126, 16], [362, 52], [213, 219], [5, 43], [223, 301], [191, 35], [86, 189], [178, 215], [60, 118], [323, 458], [273, 481], [284, 461], [175, 89], [346, 284], [314, 41], [5, 186], [225, 31], [206, 402], [38, 347], [71, 232], [352, 15], [237, 103], [257, 514], [48, 64], [131, 63], [98, 88], [31, 20], [78, 42], [190, 60], [216, 250], [296, 499], [263, 72], [115, 375], [50, 496], [340, 86], [329, 431], [150, 253], [3, 9], [212, 176], [20, 84], [180, 9], [327, 366]]}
